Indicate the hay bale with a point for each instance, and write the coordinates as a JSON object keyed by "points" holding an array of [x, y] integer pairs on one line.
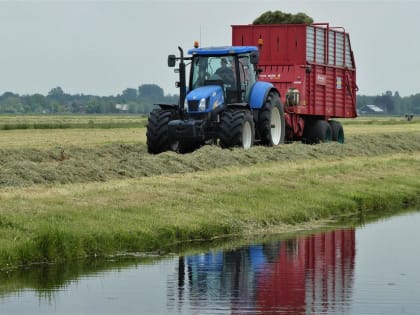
{"points": [[279, 17]]}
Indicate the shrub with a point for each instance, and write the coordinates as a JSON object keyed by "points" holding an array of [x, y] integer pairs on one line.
{"points": [[279, 17]]}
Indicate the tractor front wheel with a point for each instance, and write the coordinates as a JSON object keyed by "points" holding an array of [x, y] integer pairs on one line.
{"points": [[157, 131]]}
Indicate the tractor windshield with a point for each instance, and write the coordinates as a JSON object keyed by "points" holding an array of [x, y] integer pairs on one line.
{"points": [[207, 70]]}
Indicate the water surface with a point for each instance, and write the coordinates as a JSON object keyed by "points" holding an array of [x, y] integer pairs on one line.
{"points": [[369, 270]]}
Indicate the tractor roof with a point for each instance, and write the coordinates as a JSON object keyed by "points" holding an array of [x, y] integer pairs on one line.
{"points": [[226, 50]]}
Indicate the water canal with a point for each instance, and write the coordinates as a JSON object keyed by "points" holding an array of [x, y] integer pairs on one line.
{"points": [[373, 269]]}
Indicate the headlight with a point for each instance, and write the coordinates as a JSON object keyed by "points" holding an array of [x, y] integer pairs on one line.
{"points": [[186, 105], [202, 105]]}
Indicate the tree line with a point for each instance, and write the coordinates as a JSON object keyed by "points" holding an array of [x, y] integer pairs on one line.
{"points": [[142, 100], [391, 103], [131, 100]]}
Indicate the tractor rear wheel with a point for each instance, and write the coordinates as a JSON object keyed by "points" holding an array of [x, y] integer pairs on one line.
{"points": [[157, 131], [271, 126], [236, 128], [337, 132]]}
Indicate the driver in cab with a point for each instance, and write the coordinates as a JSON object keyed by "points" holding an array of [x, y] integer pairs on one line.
{"points": [[225, 72]]}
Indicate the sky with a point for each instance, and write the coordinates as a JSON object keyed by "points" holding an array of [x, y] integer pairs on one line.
{"points": [[104, 47]]}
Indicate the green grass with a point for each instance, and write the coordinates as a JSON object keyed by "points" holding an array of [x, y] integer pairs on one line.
{"points": [[94, 200], [12, 122], [54, 223], [380, 120]]}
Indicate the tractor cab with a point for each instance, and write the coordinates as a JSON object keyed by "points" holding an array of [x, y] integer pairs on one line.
{"points": [[229, 71]]}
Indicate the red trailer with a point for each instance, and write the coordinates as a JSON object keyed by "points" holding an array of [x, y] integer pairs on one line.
{"points": [[313, 68]]}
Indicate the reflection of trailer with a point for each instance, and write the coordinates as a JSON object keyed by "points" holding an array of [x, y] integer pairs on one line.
{"points": [[310, 273], [315, 273], [314, 70]]}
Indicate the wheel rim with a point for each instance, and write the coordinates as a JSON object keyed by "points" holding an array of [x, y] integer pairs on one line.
{"points": [[246, 135], [275, 126]]}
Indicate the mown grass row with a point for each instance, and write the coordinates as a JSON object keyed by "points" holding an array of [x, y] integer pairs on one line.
{"points": [[22, 122], [70, 164], [88, 125], [380, 120], [13, 122], [84, 137], [58, 139]]}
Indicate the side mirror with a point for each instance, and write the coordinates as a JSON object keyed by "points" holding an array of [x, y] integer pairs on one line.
{"points": [[254, 57], [171, 60]]}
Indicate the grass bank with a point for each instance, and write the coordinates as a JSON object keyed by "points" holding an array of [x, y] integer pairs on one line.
{"points": [[151, 203], [44, 224]]}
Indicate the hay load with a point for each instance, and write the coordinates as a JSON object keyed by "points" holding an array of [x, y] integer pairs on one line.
{"points": [[279, 17]]}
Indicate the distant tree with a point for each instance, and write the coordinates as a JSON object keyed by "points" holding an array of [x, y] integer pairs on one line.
{"points": [[400, 107], [385, 101], [279, 17], [151, 91], [414, 101], [171, 99], [12, 105], [129, 94], [56, 92], [77, 107], [8, 94], [37, 103], [92, 105]]}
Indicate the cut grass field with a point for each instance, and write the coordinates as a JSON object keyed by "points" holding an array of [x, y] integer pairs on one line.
{"points": [[104, 198], [12, 122], [64, 138]]}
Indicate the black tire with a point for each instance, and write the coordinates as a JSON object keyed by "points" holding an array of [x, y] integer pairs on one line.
{"points": [[337, 131], [271, 125], [188, 147], [317, 131], [157, 131], [236, 128]]}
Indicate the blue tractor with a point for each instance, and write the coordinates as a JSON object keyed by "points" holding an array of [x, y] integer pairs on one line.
{"points": [[223, 103]]}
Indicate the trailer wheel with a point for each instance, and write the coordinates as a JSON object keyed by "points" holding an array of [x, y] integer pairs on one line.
{"points": [[157, 131], [317, 131], [271, 125], [236, 128], [337, 132]]}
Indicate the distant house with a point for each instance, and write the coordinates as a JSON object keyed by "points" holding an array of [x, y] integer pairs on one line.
{"points": [[371, 109], [122, 107]]}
